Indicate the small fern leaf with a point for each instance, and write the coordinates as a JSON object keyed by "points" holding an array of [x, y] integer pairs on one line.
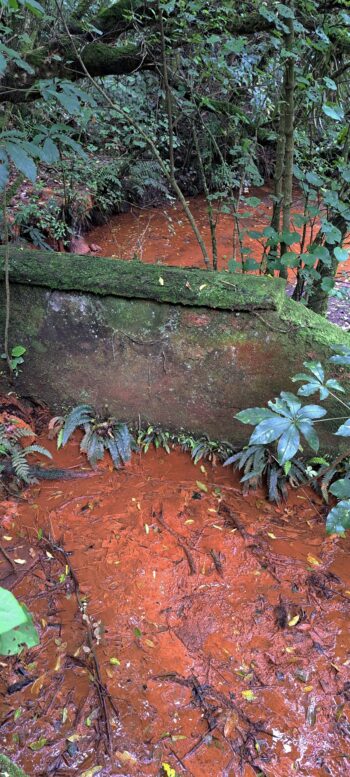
{"points": [[20, 465], [95, 450], [79, 416], [38, 449], [112, 446], [124, 441]]}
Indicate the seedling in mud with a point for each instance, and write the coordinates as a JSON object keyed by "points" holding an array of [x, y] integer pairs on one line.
{"points": [[100, 435]]}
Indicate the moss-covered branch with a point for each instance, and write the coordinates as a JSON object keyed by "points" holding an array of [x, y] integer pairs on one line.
{"points": [[135, 280]]}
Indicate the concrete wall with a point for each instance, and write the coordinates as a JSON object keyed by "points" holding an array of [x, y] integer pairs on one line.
{"points": [[177, 347]]}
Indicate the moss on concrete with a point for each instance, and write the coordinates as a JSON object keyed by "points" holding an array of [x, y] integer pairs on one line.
{"points": [[135, 280]]}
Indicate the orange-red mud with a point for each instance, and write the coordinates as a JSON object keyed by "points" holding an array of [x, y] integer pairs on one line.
{"points": [[164, 235], [221, 624]]}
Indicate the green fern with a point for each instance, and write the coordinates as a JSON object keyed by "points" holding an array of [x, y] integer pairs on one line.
{"points": [[79, 416], [100, 435], [16, 457]]}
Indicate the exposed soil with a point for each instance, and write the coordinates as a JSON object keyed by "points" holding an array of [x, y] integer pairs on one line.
{"points": [[180, 623], [164, 235]]}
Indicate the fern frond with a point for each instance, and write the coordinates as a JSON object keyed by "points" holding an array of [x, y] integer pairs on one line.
{"points": [[79, 416], [20, 465], [95, 449], [124, 441], [37, 449], [112, 446]]}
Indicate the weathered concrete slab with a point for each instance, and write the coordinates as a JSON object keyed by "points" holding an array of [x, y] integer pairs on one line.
{"points": [[180, 348]]}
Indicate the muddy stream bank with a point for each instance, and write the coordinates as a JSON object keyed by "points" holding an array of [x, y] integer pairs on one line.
{"points": [[219, 625]]}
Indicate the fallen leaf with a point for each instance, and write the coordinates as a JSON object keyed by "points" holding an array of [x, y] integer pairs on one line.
{"points": [[161, 281], [202, 286], [20, 560], [308, 688], [146, 528], [91, 772], [125, 756], [313, 560], [230, 724], [201, 486], [38, 744], [114, 661], [294, 621], [270, 534], [248, 695], [149, 643]]}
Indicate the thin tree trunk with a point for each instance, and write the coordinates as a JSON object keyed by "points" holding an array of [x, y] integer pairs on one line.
{"points": [[277, 183], [287, 182], [211, 219], [168, 102]]}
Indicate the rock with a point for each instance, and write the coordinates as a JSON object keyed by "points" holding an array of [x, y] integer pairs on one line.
{"points": [[95, 248], [79, 246]]}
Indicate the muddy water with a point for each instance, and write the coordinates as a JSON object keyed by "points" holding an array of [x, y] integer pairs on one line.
{"points": [[220, 627], [164, 235]]}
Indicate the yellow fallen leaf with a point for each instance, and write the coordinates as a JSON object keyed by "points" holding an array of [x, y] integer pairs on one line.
{"points": [[308, 688], [313, 560], [201, 486], [149, 643], [161, 281], [289, 649], [73, 737], [146, 528], [269, 534], [189, 520], [202, 286], [7, 538], [248, 695], [19, 560], [125, 756], [114, 661], [335, 667], [294, 621]]}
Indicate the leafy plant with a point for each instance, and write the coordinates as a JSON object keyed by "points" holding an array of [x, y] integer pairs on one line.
{"points": [[285, 422], [100, 435], [14, 458], [154, 436], [16, 625], [16, 358], [260, 467]]}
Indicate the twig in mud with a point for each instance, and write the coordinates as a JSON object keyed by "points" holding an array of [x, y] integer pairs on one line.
{"points": [[180, 542], [101, 689], [232, 520], [217, 562], [8, 559]]}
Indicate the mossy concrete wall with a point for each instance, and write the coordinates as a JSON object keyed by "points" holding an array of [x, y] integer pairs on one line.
{"points": [[182, 348]]}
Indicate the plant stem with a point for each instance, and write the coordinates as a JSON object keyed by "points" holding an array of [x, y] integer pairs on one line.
{"points": [[7, 290]]}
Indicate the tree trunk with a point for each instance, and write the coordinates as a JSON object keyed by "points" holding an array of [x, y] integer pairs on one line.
{"points": [[287, 183]]}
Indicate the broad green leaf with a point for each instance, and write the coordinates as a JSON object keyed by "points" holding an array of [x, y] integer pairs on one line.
{"points": [[341, 488], [344, 429], [9, 769], [288, 444], [254, 415], [343, 355], [314, 179], [308, 431], [50, 151], [11, 612], [4, 175], [269, 430], [341, 254], [338, 519], [21, 160], [18, 350], [25, 634], [312, 411], [333, 111]]}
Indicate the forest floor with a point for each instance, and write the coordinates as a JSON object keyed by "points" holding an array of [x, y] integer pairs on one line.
{"points": [[180, 623]]}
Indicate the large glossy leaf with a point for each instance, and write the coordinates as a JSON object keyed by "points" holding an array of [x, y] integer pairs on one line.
{"points": [[312, 411], [341, 488], [291, 401], [338, 519], [254, 415], [333, 111], [308, 431], [269, 430], [21, 160], [288, 444], [344, 429], [342, 356], [11, 612]]}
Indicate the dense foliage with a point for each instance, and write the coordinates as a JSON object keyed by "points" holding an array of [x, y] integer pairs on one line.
{"points": [[182, 96]]}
